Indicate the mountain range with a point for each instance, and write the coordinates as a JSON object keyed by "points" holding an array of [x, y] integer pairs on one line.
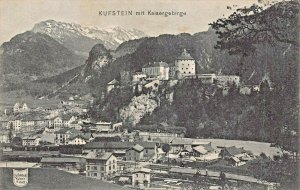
{"points": [[55, 52], [53, 47], [81, 39]]}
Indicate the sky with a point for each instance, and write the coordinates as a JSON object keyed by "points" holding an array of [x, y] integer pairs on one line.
{"points": [[18, 16]]}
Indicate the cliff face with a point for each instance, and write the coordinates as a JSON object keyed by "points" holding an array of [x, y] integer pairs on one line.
{"points": [[138, 108]]}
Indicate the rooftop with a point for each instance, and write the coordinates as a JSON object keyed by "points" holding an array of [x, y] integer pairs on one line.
{"points": [[107, 139], [99, 156], [185, 56], [68, 130], [83, 136], [184, 170], [138, 148], [61, 160], [187, 141], [156, 64], [234, 150], [203, 149], [118, 145]]}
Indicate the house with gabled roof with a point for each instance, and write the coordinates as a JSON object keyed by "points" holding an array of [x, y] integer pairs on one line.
{"points": [[62, 136], [31, 140], [236, 156], [201, 150], [229, 152], [141, 178], [70, 163], [63, 121], [79, 139], [135, 153], [101, 165], [178, 144], [150, 148], [20, 108]]}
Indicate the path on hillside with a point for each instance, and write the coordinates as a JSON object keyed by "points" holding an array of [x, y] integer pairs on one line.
{"points": [[62, 86]]}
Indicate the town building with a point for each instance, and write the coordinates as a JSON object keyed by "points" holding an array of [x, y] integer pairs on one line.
{"points": [[185, 64], [135, 153], [201, 150], [75, 124], [68, 163], [161, 132], [101, 165], [179, 144], [236, 156], [204, 78], [141, 179], [19, 108], [103, 127], [138, 77], [31, 140], [78, 139], [120, 148], [159, 70], [228, 80], [62, 121], [4, 136], [63, 135], [17, 124]]}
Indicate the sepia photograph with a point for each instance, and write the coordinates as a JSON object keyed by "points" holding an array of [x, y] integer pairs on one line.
{"points": [[149, 95]]}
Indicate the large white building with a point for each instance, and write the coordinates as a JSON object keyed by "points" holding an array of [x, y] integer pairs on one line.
{"points": [[185, 64], [159, 70]]}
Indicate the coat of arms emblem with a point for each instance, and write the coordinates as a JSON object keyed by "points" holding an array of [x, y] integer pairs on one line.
{"points": [[20, 177]]}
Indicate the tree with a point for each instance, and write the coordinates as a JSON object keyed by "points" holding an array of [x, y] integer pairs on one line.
{"points": [[136, 90], [247, 27], [166, 148]]}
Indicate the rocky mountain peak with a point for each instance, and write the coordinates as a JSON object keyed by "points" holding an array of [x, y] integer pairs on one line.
{"points": [[64, 32]]}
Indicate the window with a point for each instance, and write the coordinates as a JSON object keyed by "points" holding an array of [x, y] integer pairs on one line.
{"points": [[88, 167], [137, 175], [109, 168], [144, 175], [95, 174], [113, 166], [102, 168]]}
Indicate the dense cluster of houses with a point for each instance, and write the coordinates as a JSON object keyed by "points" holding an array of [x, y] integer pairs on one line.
{"points": [[106, 152]]}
